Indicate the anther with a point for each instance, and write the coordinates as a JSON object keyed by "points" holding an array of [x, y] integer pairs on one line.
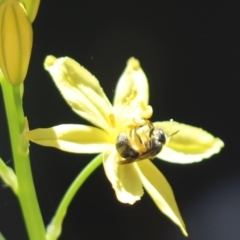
{"points": [[147, 110]]}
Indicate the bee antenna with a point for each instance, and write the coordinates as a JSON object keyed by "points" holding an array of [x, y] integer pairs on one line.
{"points": [[173, 133]]}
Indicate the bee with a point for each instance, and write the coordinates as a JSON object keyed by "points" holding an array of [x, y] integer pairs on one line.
{"points": [[143, 142]]}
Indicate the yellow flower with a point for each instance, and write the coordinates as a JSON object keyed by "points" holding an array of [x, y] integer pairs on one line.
{"points": [[124, 133], [15, 41]]}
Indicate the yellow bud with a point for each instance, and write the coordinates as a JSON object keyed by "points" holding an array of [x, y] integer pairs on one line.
{"points": [[31, 8], [15, 41]]}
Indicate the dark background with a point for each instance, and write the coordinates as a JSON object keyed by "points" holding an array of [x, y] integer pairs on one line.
{"points": [[190, 52]]}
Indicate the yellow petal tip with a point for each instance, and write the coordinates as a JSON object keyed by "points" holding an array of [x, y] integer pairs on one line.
{"points": [[49, 61], [184, 232], [134, 63]]}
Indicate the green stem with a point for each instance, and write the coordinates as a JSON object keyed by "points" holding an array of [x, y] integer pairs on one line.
{"points": [[2, 237], [26, 192], [54, 229]]}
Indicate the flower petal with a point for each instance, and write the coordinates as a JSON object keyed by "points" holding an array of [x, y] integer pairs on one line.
{"points": [[190, 144], [132, 79], [8, 176], [71, 138], [160, 191], [80, 89], [124, 178]]}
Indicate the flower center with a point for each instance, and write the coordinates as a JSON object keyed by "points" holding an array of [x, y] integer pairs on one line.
{"points": [[141, 142]]}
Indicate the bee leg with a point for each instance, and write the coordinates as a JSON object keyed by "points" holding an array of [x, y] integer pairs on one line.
{"points": [[151, 127]]}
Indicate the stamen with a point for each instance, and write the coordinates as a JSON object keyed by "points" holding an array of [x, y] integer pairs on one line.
{"points": [[136, 140], [147, 110], [136, 122], [112, 120], [143, 105], [132, 96]]}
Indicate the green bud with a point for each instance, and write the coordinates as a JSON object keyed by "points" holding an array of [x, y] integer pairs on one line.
{"points": [[31, 8]]}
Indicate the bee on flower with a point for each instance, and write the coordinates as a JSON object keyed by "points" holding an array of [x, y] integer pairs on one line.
{"points": [[124, 133]]}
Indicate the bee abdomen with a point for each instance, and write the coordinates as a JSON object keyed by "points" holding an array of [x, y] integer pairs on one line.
{"points": [[124, 147]]}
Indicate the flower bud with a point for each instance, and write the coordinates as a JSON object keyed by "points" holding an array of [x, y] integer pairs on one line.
{"points": [[31, 8], [15, 41]]}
